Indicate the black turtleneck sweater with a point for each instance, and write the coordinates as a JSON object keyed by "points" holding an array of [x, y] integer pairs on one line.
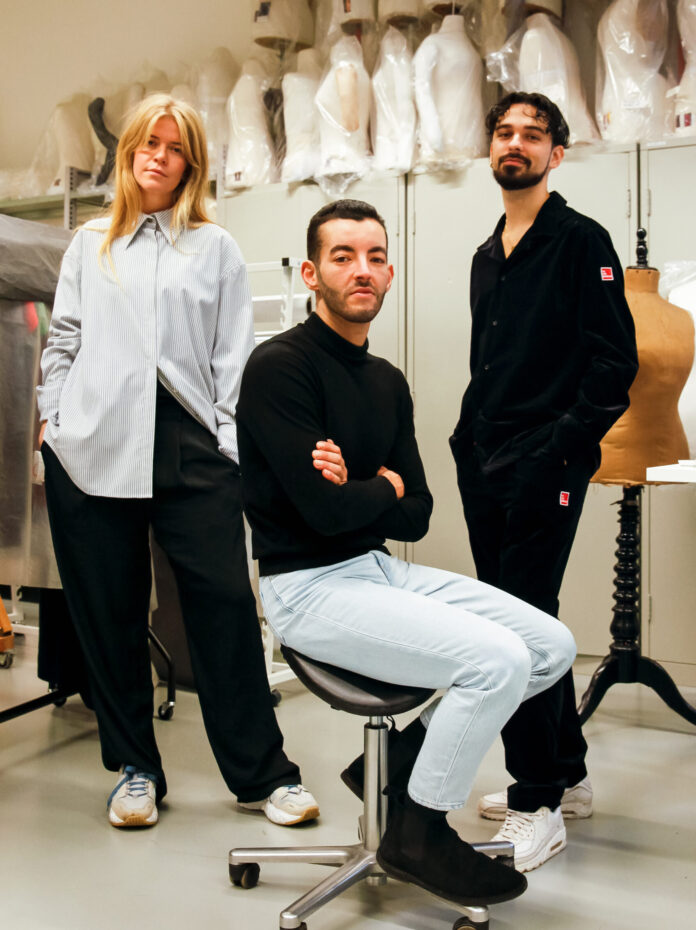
{"points": [[310, 384]]}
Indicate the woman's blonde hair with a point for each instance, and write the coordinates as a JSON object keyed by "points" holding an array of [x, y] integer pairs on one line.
{"points": [[189, 206]]}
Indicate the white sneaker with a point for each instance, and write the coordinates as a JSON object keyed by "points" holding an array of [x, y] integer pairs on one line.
{"points": [[132, 803], [576, 803], [536, 836], [288, 805]]}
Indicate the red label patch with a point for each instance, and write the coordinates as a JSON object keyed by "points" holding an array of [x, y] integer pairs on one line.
{"points": [[564, 499], [607, 274]]}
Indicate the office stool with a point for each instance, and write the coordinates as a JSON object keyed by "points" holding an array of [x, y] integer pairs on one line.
{"points": [[376, 700]]}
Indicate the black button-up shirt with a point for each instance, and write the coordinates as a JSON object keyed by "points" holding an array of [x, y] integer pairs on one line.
{"points": [[553, 350]]}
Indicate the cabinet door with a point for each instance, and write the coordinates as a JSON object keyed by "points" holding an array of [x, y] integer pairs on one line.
{"points": [[449, 218], [270, 222], [669, 201]]}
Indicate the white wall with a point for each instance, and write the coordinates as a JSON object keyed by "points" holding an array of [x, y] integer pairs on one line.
{"points": [[50, 49]]}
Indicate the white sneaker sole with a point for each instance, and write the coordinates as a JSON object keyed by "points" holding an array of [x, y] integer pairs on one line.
{"points": [[571, 810], [288, 819], [133, 820], [533, 860]]}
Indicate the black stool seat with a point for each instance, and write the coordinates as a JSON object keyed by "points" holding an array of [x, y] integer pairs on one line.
{"points": [[351, 692]]}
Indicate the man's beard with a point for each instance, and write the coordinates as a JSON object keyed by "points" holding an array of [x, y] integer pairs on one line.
{"points": [[518, 181], [336, 303]]}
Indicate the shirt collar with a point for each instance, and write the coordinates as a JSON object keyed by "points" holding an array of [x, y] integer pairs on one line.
{"points": [[545, 224], [163, 219]]}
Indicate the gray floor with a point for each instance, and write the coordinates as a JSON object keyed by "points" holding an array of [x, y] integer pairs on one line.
{"points": [[631, 867]]}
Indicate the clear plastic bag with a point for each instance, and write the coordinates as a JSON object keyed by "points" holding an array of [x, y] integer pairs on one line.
{"points": [[300, 87], [30, 257], [538, 57], [282, 24], [685, 93], [343, 105], [250, 153], [394, 110], [448, 75], [214, 80], [632, 41]]}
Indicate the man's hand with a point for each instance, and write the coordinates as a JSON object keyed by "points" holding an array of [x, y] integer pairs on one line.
{"points": [[328, 459], [42, 432], [394, 479]]}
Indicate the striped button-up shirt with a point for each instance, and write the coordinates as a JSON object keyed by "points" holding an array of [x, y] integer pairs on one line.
{"points": [[179, 311]]}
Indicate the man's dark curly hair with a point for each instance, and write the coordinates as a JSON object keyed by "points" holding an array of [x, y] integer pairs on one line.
{"points": [[338, 210], [546, 111]]}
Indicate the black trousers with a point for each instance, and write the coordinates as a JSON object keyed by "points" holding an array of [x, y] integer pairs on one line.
{"points": [[103, 555], [522, 521]]}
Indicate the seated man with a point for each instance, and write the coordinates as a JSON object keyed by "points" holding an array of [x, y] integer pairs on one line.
{"points": [[330, 469]]}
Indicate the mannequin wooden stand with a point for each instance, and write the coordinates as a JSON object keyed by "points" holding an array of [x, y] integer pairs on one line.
{"points": [[624, 663]]}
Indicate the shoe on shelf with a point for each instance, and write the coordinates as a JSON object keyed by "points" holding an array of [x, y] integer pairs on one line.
{"points": [[287, 806], [132, 803], [576, 803], [536, 836]]}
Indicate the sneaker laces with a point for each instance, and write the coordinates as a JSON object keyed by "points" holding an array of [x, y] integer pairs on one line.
{"points": [[519, 825], [137, 785], [291, 790]]}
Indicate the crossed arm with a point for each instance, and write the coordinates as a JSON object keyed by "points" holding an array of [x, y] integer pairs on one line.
{"points": [[327, 458]]}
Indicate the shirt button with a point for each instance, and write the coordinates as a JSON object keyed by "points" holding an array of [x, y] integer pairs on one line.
{"points": [[486, 367], [494, 323], [502, 277]]}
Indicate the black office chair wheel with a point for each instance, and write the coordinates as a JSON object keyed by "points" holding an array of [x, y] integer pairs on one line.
{"points": [[245, 875], [466, 923], [276, 697], [165, 711]]}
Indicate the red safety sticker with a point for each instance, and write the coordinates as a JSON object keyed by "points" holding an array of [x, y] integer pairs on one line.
{"points": [[564, 498], [607, 274]]}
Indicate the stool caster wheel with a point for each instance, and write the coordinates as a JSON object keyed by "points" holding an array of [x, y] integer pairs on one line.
{"points": [[6, 659], [165, 711], [466, 923], [302, 926], [245, 875], [59, 702], [276, 697]]}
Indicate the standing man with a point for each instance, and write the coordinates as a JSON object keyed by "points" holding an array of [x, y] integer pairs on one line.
{"points": [[553, 355], [330, 467]]}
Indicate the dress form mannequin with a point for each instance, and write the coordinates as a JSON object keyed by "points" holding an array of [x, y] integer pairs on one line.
{"points": [[250, 154], [548, 64], [116, 104], [443, 8], [685, 110], [394, 113], [343, 103], [216, 78], [301, 124], [447, 80], [632, 37], [352, 14], [650, 431], [281, 24], [69, 140]]}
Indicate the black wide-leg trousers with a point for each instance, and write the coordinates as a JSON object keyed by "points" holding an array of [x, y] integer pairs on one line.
{"points": [[103, 555], [522, 521]]}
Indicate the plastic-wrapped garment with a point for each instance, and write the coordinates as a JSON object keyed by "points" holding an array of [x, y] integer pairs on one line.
{"points": [[215, 79], [301, 120], [250, 154], [67, 142], [394, 110], [106, 120], [548, 64], [685, 108], [282, 24], [678, 286], [343, 104], [30, 257], [632, 36], [490, 22], [447, 79]]}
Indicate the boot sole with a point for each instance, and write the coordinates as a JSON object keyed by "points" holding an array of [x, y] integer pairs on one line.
{"points": [[572, 812], [466, 901]]}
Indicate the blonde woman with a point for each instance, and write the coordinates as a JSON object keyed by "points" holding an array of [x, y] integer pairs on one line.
{"points": [[152, 326]]}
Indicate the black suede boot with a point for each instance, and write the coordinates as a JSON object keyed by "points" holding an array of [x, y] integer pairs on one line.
{"points": [[420, 847], [402, 748]]}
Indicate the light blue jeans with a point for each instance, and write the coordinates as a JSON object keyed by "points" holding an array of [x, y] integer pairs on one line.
{"points": [[413, 625]]}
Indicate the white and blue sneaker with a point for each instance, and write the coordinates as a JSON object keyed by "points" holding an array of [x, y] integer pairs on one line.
{"points": [[132, 803], [287, 806]]}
